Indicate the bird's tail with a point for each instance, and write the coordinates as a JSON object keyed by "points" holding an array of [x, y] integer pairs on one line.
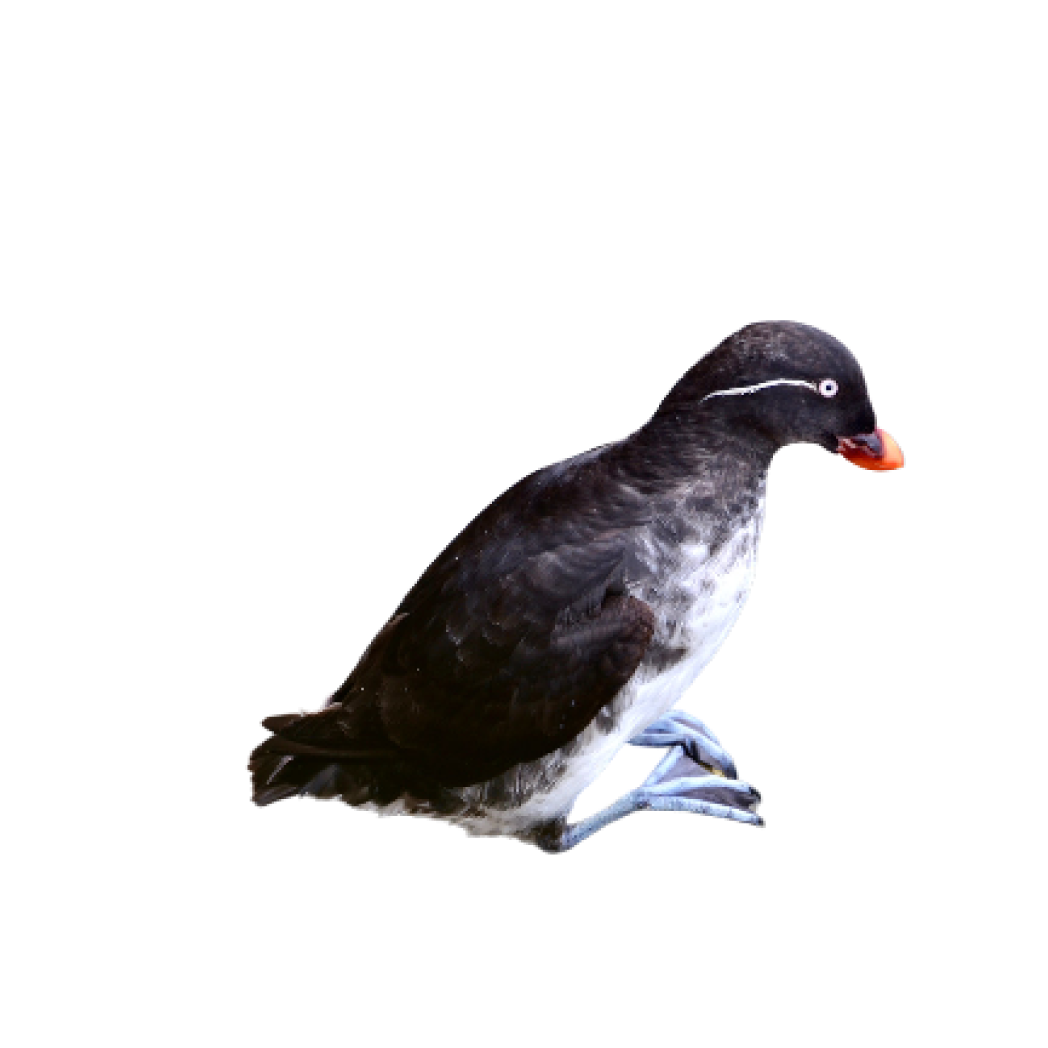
{"points": [[275, 776], [310, 755]]}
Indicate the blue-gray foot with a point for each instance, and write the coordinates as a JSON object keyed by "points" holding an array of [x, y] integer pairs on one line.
{"points": [[677, 784], [697, 741]]}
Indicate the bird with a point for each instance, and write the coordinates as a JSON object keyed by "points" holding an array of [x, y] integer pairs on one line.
{"points": [[571, 615]]}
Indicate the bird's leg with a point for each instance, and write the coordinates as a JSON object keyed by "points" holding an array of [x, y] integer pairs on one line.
{"points": [[676, 784], [698, 742]]}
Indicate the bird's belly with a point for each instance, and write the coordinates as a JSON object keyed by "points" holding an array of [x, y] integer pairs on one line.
{"points": [[695, 606]]}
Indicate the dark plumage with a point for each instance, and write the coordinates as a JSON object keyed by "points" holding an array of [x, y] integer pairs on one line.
{"points": [[569, 615]]}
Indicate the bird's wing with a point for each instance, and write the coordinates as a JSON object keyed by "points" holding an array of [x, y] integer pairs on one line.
{"points": [[479, 674]]}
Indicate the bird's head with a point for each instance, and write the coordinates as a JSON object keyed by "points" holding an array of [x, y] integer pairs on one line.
{"points": [[784, 383]]}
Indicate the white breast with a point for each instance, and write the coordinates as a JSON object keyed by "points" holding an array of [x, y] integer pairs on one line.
{"points": [[706, 596]]}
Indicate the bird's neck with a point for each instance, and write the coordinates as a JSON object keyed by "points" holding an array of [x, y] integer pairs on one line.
{"points": [[686, 451]]}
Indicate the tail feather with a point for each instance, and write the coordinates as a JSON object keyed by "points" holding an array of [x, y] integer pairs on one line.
{"points": [[342, 752], [278, 777], [311, 754]]}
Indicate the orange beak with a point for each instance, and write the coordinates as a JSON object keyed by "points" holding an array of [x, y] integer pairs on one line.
{"points": [[876, 450]]}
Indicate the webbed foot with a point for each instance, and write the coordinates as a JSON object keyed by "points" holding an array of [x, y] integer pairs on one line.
{"points": [[676, 784], [681, 729]]}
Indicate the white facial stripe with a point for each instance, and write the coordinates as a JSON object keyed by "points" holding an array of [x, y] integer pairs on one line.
{"points": [[740, 390]]}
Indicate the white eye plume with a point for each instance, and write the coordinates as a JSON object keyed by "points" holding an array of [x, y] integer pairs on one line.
{"points": [[826, 388]]}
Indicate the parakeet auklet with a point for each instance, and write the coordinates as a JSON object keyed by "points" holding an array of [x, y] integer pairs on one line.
{"points": [[570, 616]]}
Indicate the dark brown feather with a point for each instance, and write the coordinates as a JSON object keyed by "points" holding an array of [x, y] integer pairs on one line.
{"points": [[470, 678]]}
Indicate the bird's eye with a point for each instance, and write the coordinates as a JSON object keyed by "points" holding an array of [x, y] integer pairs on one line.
{"points": [[828, 388]]}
